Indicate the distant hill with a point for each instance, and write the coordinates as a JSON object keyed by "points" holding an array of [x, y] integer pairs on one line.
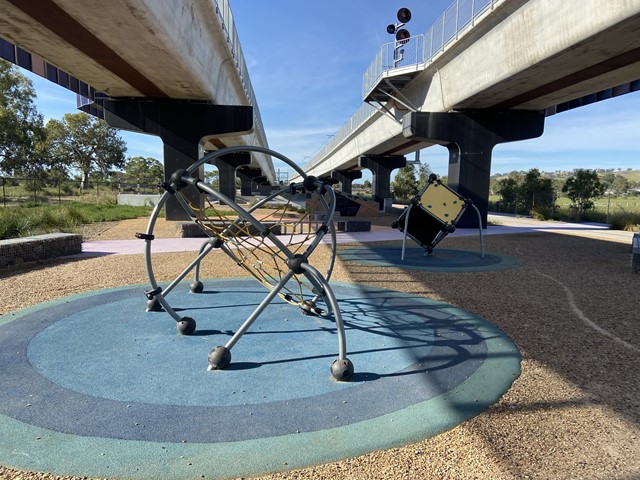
{"points": [[633, 176]]}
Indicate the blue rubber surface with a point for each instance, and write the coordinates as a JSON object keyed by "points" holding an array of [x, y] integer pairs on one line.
{"points": [[93, 385], [440, 260]]}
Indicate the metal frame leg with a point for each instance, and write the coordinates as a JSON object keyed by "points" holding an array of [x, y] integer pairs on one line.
{"points": [[406, 225]]}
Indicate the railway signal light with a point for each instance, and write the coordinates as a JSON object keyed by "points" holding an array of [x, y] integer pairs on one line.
{"points": [[404, 15], [402, 34]]}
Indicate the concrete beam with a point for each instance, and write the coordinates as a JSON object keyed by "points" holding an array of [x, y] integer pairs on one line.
{"points": [[381, 168], [247, 177], [346, 178], [138, 48], [521, 54], [470, 138], [227, 166], [181, 125]]}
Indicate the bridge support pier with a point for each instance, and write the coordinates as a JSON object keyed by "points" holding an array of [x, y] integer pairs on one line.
{"points": [[247, 176], [381, 168], [227, 166], [182, 125], [346, 178], [470, 137]]}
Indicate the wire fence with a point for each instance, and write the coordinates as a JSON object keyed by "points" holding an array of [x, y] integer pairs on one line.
{"points": [[23, 191]]}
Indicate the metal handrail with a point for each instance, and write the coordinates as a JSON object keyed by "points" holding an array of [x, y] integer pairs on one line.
{"points": [[228, 25], [459, 16], [419, 52]]}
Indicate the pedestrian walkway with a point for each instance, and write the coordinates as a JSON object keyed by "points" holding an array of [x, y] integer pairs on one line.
{"points": [[499, 225]]}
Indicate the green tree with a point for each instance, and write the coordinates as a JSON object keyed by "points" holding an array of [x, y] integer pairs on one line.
{"points": [[619, 185], [22, 133], [405, 184], [607, 180], [423, 174], [528, 192], [212, 177], [537, 191], [581, 187], [86, 143], [143, 170], [509, 189]]}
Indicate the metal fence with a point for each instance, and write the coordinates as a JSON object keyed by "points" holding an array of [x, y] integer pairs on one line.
{"points": [[21, 191], [228, 25], [418, 51], [421, 49]]}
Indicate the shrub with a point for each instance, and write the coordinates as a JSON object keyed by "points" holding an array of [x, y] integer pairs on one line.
{"points": [[32, 219], [627, 221]]}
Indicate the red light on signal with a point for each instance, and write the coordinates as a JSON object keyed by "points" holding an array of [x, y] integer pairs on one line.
{"points": [[403, 35], [404, 15]]}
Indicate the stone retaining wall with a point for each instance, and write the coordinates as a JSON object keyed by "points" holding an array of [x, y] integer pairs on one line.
{"points": [[16, 251]]}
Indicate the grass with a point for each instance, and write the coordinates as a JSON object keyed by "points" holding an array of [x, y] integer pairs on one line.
{"points": [[27, 220], [621, 213]]}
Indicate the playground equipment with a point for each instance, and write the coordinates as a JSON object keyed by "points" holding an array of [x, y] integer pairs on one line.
{"points": [[270, 246], [432, 214]]}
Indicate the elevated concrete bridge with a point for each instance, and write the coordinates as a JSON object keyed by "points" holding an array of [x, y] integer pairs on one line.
{"points": [[172, 68], [487, 72]]}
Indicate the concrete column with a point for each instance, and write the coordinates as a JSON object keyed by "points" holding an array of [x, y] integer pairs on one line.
{"points": [[470, 137], [227, 165], [346, 178], [381, 168], [246, 176], [181, 125]]}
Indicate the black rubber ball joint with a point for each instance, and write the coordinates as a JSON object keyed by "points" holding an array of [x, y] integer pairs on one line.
{"points": [[176, 179], [309, 183]]}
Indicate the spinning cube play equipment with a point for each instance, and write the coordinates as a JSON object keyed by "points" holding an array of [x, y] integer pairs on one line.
{"points": [[431, 215], [274, 247]]}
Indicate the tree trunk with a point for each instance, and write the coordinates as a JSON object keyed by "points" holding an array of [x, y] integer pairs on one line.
{"points": [[84, 182]]}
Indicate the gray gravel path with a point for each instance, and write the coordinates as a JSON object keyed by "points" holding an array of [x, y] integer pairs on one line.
{"points": [[572, 307]]}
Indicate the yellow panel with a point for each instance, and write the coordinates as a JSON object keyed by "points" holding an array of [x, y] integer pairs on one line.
{"points": [[442, 202]]}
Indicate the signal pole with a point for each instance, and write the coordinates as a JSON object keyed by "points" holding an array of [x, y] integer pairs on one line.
{"points": [[402, 34]]}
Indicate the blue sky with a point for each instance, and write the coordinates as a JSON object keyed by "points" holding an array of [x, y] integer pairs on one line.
{"points": [[306, 61]]}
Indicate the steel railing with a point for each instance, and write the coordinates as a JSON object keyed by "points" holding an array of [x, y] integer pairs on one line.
{"points": [[421, 50], [228, 25], [417, 53]]}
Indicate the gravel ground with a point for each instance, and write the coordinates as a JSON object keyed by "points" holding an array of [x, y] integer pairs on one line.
{"points": [[572, 308]]}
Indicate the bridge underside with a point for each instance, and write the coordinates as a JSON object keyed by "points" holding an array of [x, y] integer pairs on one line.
{"points": [[470, 137], [160, 56]]}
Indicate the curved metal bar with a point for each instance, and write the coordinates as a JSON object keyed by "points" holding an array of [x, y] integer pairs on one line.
{"points": [[329, 223], [319, 284], [333, 304], [480, 230], [196, 272], [244, 148], [406, 224], [147, 258]]}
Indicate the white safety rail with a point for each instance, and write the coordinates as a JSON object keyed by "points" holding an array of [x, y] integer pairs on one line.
{"points": [[415, 54], [460, 16], [228, 25]]}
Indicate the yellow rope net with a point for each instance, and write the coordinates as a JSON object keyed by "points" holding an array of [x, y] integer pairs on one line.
{"points": [[254, 252]]}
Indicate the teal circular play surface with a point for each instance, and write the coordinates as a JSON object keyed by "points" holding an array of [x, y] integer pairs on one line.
{"points": [[95, 386], [441, 260]]}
